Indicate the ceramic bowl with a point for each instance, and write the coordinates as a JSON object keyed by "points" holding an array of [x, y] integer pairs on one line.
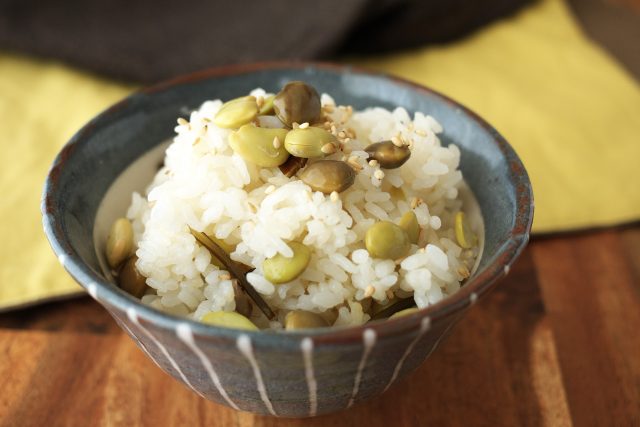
{"points": [[296, 374]]}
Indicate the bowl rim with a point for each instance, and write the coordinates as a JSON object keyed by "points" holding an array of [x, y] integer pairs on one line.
{"points": [[478, 285]]}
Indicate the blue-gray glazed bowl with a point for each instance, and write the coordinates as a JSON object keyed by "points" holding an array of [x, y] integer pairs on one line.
{"points": [[296, 374]]}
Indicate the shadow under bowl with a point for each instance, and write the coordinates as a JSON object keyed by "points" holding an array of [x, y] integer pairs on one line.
{"points": [[304, 373]]}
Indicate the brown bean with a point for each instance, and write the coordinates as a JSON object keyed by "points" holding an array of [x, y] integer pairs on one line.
{"points": [[388, 155], [303, 320], [131, 280], [243, 302], [328, 176], [297, 102]]}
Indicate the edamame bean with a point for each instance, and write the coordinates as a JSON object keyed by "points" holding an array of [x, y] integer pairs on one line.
{"points": [[387, 240], [308, 143], [409, 223], [261, 146], [236, 112], [267, 106], [280, 269], [465, 237], [119, 242], [229, 319]]}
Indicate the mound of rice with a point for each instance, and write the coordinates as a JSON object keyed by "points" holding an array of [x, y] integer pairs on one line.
{"points": [[205, 186]]}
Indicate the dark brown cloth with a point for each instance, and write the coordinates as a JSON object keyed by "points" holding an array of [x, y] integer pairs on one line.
{"points": [[150, 40]]}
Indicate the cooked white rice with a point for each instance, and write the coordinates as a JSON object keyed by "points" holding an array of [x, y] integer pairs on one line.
{"points": [[205, 186]]}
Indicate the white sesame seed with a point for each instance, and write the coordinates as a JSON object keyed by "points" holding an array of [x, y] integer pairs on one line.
{"points": [[276, 142], [420, 132], [295, 125], [378, 174], [396, 141], [270, 189], [328, 148], [414, 202], [341, 134], [182, 122], [369, 291], [304, 125], [334, 196], [373, 163], [354, 164]]}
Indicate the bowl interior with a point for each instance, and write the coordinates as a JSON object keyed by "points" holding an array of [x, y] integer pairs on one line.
{"points": [[98, 154]]}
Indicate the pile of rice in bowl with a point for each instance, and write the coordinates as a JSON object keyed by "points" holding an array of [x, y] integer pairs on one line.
{"points": [[346, 273]]}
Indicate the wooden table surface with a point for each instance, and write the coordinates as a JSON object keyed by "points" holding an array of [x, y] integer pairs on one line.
{"points": [[557, 343]]}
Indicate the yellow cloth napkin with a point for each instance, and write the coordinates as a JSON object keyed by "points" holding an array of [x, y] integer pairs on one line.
{"points": [[572, 114], [41, 105]]}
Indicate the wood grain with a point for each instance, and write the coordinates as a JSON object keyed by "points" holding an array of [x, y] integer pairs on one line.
{"points": [[556, 344], [591, 293]]}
